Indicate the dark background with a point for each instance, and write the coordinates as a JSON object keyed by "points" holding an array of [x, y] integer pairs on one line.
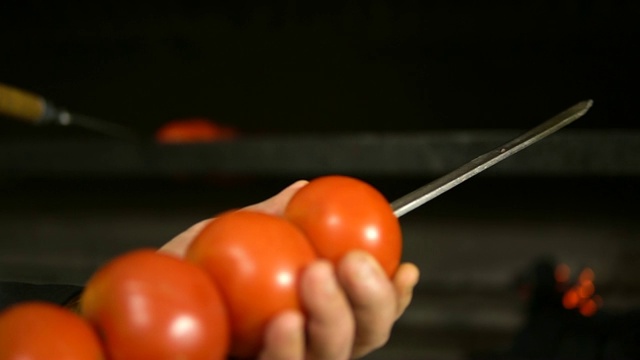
{"points": [[352, 67], [289, 66]]}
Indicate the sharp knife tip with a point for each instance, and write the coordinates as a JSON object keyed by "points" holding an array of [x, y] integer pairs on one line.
{"points": [[587, 104]]}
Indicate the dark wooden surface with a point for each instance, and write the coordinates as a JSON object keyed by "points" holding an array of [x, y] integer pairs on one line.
{"points": [[569, 152], [470, 244]]}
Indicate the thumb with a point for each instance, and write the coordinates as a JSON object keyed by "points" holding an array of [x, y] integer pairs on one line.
{"points": [[277, 203]]}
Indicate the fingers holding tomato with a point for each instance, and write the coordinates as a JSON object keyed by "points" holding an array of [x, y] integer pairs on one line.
{"points": [[256, 258], [349, 310], [372, 297]]}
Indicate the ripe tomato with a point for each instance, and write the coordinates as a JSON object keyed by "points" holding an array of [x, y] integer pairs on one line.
{"points": [[340, 213], [191, 130], [40, 330], [256, 259], [150, 305]]}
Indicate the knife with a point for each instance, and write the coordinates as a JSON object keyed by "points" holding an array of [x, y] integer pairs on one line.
{"points": [[36, 110], [428, 192]]}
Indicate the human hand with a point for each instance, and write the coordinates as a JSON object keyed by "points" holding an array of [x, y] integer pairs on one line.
{"points": [[350, 308], [350, 311]]}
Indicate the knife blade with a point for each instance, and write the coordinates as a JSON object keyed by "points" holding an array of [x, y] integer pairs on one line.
{"points": [[420, 196]]}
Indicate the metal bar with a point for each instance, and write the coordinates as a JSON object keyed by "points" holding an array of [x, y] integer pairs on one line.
{"points": [[437, 187]]}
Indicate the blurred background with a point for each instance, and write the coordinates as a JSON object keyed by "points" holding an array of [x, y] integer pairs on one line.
{"points": [[230, 102]]}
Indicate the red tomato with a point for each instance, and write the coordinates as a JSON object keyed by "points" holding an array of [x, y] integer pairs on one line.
{"points": [[36, 330], [256, 259], [193, 130], [150, 305], [340, 213]]}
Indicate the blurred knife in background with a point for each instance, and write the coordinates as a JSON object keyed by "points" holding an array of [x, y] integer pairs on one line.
{"points": [[34, 109]]}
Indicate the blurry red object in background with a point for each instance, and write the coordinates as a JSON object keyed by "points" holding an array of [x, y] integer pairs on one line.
{"points": [[193, 130]]}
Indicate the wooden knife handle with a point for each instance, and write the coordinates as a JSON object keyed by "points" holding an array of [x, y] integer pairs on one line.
{"points": [[20, 104]]}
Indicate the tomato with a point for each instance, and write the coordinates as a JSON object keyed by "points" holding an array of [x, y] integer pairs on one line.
{"points": [[193, 130], [151, 305], [256, 259], [40, 330], [339, 214]]}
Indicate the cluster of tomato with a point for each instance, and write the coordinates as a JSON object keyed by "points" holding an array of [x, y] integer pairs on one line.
{"points": [[240, 271]]}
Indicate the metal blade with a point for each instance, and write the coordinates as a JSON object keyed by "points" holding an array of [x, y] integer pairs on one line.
{"points": [[114, 130], [435, 188]]}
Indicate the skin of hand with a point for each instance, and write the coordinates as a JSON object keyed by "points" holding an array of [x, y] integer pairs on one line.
{"points": [[350, 308]]}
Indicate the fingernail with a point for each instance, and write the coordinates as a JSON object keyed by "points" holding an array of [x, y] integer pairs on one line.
{"points": [[295, 325], [367, 268], [329, 286], [324, 277]]}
